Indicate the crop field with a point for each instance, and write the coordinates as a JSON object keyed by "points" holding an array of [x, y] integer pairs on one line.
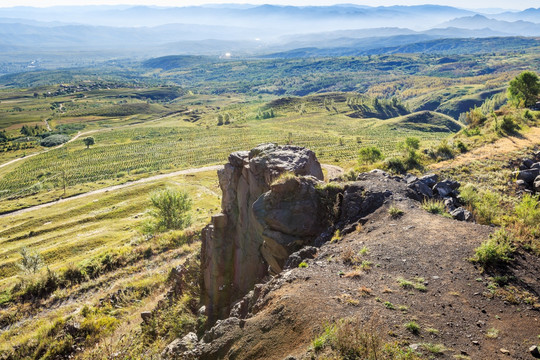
{"points": [[128, 152]]}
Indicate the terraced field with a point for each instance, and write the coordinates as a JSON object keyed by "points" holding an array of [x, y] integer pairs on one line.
{"points": [[127, 153]]}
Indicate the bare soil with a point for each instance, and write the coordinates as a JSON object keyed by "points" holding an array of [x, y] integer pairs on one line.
{"points": [[456, 302]]}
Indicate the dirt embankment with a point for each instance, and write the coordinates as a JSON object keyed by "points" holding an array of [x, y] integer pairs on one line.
{"points": [[454, 305]]}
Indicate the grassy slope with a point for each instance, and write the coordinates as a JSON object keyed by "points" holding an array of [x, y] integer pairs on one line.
{"points": [[125, 152], [75, 230]]}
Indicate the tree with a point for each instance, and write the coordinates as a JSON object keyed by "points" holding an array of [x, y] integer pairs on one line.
{"points": [[524, 89], [368, 155], [89, 141], [171, 209]]}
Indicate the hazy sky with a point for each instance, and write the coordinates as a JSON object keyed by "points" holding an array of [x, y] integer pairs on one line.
{"points": [[471, 4]]}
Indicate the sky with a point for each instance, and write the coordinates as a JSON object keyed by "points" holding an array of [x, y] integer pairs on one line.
{"points": [[469, 4]]}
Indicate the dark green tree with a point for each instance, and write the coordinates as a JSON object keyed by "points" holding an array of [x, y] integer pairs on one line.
{"points": [[89, 141], [524, 89]]}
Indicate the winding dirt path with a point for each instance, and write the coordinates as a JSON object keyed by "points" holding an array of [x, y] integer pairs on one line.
{"points": [[496, 149], [115, 187], [47, 150], [331, 170]]}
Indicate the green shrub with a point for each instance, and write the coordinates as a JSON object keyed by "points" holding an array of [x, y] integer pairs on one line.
{"points": [[462, 148], [350, 339], [508, 125], [485, 204], [369, 155], [395, 165], [30, 262], [444, 151], [497, 250], [413, 327], [171, 209], [434, 206], [54, 140], [395, 212]]}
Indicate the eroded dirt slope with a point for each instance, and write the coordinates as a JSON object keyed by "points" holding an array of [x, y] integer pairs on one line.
{"points": [[457, 304]]}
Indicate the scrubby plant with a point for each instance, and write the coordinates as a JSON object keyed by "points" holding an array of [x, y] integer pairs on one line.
{"points": [[395, 165], [435, 349], [350, 339], [54, 140], [434, 206], [337, 236], [460, 146], [171, 209], [395, 212], [496, 250], [413, 327], [508, 125], [485, 204], [31, 261], [369, 155]]}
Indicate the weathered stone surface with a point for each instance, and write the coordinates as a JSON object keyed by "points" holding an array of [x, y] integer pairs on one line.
{"points": [[449, 204], [422, 190], [178, 347], [534, 351], [527, 175], [238, 246], [536, 184], [430, 179], [146, 316], [409, 178], [296, 258], [527, 163], [461, 214], [445, 188]]}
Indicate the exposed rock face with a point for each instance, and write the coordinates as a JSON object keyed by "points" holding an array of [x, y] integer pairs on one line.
{"points": [[291, 214], [245, 239], [528, 175]]}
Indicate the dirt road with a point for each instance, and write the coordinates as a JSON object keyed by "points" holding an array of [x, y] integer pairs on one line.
{"points": [[331, 170]]}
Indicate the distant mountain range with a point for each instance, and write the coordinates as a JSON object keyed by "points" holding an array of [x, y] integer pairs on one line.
{"points": [[244, 30]]}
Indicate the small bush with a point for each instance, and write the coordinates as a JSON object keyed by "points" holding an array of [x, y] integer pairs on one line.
{"points": [[337, 236], [412, 327], [485, 204], [395, 165], [435, 349], [171, 209], [30, 262], [462, 148], [508, 125], [350, 339], [369, 155], [497, 250], [395, 212], [389, 305], [54, 140], [434, 206], [303, 265]]}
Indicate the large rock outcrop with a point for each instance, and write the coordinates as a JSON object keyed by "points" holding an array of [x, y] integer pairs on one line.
{"points": [[261, 223]]}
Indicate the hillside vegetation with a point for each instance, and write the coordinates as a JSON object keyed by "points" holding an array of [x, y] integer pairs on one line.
{"points": [[89, 277]]}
